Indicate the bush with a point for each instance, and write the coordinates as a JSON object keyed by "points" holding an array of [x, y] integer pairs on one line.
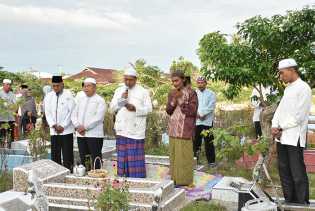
{"points": [[6, 181]]}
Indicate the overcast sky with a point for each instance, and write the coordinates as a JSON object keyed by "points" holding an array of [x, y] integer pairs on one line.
{"points": [[52, 35]]}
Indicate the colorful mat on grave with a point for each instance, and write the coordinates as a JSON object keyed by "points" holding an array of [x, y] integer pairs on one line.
{"points": [[203, 182]]}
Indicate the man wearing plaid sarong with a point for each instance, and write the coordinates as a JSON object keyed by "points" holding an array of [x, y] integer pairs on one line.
{"points": [[131, 103]]}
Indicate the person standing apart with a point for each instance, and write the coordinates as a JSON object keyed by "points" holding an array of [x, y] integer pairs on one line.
{"points": [[182, 108], [88, 119], [257, 104], [29, 112], [132, 103], [7, 118], [289, 127], [58, 106], [205, 117]]}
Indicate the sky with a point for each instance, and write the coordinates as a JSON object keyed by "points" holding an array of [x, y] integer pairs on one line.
{"points": [[53, 36]]}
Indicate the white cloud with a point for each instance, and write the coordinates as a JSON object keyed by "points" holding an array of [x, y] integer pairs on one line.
{"points": [[80, 17]]}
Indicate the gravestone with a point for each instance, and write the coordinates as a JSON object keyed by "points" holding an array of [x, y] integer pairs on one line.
{"points": [[45, 170]]}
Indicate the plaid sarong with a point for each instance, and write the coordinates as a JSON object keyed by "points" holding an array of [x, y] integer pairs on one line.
{"points": [[130, 157]]}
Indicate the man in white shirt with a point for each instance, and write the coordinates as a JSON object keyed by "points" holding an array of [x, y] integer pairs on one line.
{"points": [[7, 117], [88, 117], [58, 106], [132, 104], [289, 126]]}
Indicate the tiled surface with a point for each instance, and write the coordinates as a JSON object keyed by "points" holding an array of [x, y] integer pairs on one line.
{"points": [[45, 170], [67, 190], [224, 192]]}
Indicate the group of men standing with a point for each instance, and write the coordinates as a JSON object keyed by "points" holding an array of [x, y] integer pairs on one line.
{"points": [[84, 116], [131, 103], [190, 112]]}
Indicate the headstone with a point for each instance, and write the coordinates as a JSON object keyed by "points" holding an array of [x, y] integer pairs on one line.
{"points": [[45, 170], [223, 191], [20, 145]]}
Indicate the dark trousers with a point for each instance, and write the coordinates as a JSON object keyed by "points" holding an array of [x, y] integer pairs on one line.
{"points": [[258, 129], [90, 146], [293, 174], [9, 131], [64, 144], [209, 147]]}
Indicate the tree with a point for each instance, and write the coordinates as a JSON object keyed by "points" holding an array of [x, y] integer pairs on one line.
{"points": [[152, 78], [251, 56], [184, 65]]}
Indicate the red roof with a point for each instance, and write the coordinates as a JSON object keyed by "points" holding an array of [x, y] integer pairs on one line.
{"points": [[103, 76]]}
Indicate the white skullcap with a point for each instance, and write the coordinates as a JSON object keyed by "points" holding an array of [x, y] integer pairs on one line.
{"points": [[7, 81], [130, 72], [286, 63], [90, 80]]}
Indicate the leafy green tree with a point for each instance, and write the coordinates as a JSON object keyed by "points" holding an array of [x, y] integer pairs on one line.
{"points": [[251, 56], [152, 78], [184, 65]]}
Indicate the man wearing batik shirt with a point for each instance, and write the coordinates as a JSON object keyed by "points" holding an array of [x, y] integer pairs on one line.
{"points": [[289, 127], [132, 104]]}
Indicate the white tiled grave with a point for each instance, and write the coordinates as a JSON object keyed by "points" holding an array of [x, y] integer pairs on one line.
{"points": [[68, 192]]}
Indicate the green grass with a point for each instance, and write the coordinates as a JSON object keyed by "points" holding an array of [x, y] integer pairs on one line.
{"points": [[203, 206], [6, 181]]}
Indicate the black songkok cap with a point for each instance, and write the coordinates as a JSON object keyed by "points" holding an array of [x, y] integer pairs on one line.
{"points": [[56, 79]]}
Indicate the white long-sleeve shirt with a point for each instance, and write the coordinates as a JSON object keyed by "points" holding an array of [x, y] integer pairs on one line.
{"points": [[58, 111], [293, 112], [90, 112], [131, 124]]}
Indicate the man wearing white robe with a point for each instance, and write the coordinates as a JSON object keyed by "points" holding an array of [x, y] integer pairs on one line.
{"points": [[58, 106], [132, 104], [289, 127], [88, 117]]}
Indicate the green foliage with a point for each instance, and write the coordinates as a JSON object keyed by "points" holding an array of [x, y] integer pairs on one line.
{"points": [[114, 197], [156, 126], [73, 85], [151, 77], [183, 65], [33, 83], [231, 143], [38, 143], [107, 91], [252, 56], [24, 78], [6, 181]]}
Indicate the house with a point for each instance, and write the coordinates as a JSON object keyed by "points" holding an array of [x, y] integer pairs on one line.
{"points": [[102, 76]]}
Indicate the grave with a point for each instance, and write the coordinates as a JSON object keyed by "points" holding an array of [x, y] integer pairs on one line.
{"points": [[69, 192]]}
